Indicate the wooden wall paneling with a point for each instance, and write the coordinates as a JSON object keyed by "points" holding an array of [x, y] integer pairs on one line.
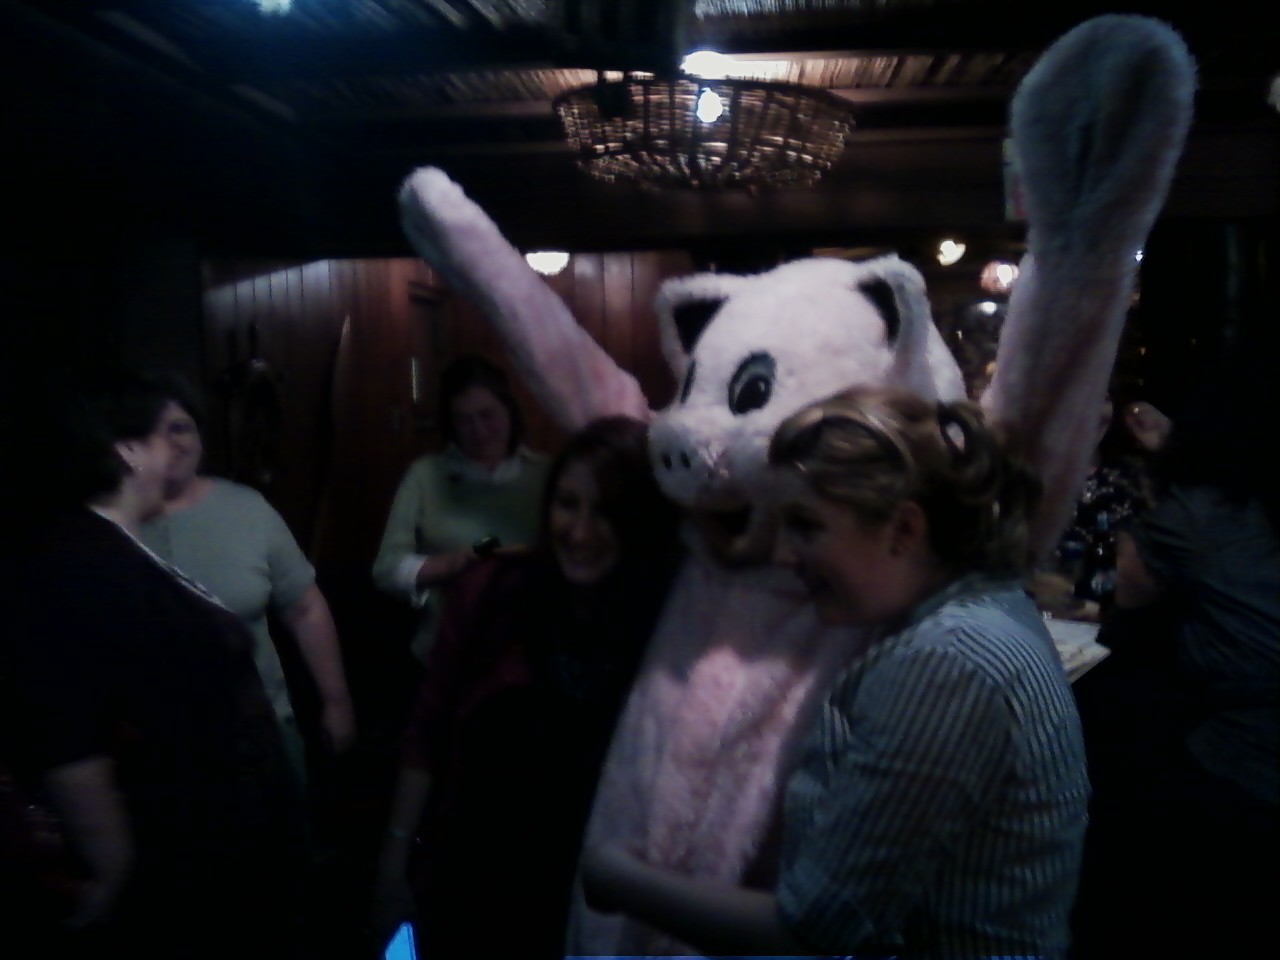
{"points": [[219, 303], [617, 302], [429, 313], [653, 267]]}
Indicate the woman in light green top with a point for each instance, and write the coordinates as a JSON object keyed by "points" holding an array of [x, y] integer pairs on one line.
{"points": [[229, 539], [484, 485]]}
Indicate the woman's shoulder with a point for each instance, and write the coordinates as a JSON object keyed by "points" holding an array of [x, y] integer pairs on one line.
{"points": [[222, 489], [238, 499], [993, 622], [428, 469]]}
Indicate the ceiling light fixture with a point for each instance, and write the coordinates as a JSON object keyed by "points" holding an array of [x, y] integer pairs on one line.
{"points": [[547, 262], [668, 133]]}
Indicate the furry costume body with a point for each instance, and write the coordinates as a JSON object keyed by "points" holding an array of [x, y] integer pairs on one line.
{"points": [[738, 659]]}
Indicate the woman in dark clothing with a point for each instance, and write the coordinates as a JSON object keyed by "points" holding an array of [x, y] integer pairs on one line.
{"points": [[517, 707], [134, 705]]}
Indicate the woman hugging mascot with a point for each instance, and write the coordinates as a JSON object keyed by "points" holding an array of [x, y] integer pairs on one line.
{"points": [[738, 660]]}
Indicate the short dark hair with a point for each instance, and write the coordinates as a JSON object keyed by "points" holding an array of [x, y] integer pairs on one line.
{"points": [[472, 370], [88, 419], [179, 390]]}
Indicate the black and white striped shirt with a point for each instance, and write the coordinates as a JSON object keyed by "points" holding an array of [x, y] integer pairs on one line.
{"points": [[940, 802]]}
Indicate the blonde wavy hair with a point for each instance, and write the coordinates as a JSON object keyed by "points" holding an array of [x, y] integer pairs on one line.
{"points": [[871, 448]]}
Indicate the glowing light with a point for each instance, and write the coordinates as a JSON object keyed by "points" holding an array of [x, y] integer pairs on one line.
{"points": [[949, 252], [998, 277], [547, 262], [707, 64], [1138, 256], [710, 106], [270, 7], [987, 307]]}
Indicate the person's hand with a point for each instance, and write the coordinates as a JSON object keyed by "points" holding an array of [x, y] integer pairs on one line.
{"points": [[338, 724], [441, 567], [392, 905], [605, 870], [1148, 425]]}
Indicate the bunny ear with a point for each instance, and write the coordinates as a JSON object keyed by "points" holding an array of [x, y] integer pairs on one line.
{"points": [[1098, 126], [921, 361]]}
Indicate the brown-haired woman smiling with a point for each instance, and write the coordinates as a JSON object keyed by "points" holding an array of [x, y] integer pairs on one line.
{"points": [[514, 715], [937, 805]]}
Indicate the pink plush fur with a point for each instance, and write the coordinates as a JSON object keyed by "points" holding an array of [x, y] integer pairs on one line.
{"points": [[738, 661]]}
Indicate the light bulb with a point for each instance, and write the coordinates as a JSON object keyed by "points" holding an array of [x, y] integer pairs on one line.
{"points": [[710, 106], [547, 262]]}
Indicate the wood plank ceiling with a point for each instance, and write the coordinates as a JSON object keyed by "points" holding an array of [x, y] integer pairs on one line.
{"points": [[286, 124]]}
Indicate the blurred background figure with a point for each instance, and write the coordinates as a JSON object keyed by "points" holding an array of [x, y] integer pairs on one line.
{"points": [[1148, 425], [517, 706], [1079, 583], [134, 707], [231, 541], [484, 486], [1183, 724]]}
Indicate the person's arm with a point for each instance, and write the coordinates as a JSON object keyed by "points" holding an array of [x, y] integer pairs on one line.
{"points": [[311, 624], [441, 567], [399, 568], [392, 898], [716, 918], [85, 794], [1136, 585]]}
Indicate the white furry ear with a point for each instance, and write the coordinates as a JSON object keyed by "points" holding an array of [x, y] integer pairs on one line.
{"points": [[921, 361]]}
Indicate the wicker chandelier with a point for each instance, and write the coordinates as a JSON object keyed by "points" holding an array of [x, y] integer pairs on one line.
{"points": [[766, 134]]}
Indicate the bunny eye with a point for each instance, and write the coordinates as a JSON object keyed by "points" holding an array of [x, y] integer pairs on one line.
{"points": [[752, 384]]}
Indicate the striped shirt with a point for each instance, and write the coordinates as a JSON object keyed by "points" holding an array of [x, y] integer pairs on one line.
{"points": [[939, 805]]}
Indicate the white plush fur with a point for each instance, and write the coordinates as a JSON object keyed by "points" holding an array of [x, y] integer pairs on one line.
{"points": [[738, 662]]}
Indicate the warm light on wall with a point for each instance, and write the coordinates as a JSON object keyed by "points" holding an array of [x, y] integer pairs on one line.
{"points": [[547, 262], [998, 277]]}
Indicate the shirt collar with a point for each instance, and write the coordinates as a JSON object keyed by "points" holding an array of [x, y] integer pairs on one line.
{"points": [[968, 585], [506, 471]]}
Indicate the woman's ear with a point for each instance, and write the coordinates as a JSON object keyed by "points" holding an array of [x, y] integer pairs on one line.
{"points": [[125, 451], [908, 529]]}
